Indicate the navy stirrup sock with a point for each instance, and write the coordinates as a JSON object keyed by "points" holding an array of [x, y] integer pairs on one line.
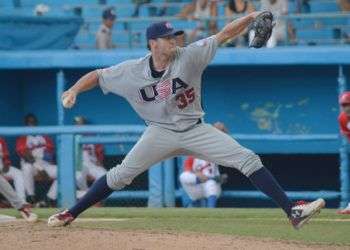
{"points": [[97, 192], [265, 182], [211, 201]]}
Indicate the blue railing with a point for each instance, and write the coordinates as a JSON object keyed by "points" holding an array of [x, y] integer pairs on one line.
{"points": [[165, 185], [307, 29]]}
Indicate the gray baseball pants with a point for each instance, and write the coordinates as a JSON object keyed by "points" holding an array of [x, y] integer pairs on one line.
{"points": [[203, 141]]}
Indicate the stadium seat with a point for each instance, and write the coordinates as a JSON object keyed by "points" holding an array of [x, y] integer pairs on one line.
{"points": [[292, 7], [334, 21], [323, 6], [303, 23], [315, 37], [85, 40]]}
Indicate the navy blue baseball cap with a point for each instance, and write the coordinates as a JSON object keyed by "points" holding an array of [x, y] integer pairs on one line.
{"points": [[109, 13], [161, 29]]}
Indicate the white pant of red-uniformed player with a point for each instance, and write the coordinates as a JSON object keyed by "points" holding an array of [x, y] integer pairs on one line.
{"points": [[16, 176], [197, 191], [89, 170], [31, 169]]}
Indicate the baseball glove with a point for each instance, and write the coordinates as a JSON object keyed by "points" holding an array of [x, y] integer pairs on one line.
{"points": [[262, 26], [28, 157]]}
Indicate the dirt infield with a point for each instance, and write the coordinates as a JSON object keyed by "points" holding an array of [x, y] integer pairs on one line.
{"points": [[21, 235]]}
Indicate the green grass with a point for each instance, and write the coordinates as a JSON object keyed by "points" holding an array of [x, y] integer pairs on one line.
{"points": [[327, 228]]}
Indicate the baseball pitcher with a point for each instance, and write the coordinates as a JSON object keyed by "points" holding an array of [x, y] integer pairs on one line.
{"points": [[164, 88]]}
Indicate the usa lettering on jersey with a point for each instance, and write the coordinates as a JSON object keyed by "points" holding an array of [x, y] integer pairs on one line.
{"points": [[162, 90]]}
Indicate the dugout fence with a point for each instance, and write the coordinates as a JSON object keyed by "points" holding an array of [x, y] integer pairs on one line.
{"points": [[69, 137], [162, 192]]}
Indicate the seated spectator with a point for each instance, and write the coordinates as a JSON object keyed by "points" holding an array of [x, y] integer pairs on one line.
{"points": [[92, 161], [41, 9], [10, 172], [278, 8], [202, 11], [344, 5], [233, 9], [36, 153], [164, 9], [238, 7], [303, 6], [202, 180], [138, 4], [104, 33], [343, 33]]}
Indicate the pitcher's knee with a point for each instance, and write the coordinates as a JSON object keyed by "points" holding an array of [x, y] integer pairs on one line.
{"points": [[119, 177], [251, 164]]}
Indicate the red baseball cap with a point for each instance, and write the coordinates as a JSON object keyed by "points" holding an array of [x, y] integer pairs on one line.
{"points": [[344, 98]]}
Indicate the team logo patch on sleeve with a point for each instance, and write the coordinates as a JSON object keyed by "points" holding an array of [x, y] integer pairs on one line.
{"points": [[168, 25], [201, 43]]}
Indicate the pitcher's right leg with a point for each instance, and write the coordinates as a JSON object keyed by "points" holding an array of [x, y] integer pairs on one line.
{"points": [[156, 144]]}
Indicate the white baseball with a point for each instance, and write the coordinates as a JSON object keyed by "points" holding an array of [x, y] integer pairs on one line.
{"points": [[66, 103]]}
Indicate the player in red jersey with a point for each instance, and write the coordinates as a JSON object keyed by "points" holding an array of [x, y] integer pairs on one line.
{"points": [[344, 125]]}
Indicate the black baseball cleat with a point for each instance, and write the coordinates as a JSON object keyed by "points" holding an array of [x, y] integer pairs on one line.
{"points": [[303, 211], [60, 219]]}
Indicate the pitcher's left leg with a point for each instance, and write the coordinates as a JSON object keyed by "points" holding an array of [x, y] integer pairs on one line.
{"points": [[208, 143]]}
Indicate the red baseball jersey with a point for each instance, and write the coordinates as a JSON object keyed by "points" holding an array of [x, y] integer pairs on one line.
{"points": [[93, 153], [4, 154], [197, 165], [37, 145], [344, 124]]}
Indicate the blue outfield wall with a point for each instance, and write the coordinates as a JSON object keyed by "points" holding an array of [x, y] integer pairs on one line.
{"points": [[279, 91], [283, 91]]}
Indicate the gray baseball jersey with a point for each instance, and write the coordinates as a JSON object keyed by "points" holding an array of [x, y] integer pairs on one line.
{"points": [[172, 101]]}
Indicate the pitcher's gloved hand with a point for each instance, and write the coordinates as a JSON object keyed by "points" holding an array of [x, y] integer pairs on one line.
{"points": [[262, 26]]}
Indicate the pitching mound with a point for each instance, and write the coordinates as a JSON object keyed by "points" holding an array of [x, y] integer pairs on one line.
{"points": [[21, 235]]}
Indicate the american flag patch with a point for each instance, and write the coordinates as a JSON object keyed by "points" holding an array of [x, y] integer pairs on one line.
{"points": [[164, 89]]}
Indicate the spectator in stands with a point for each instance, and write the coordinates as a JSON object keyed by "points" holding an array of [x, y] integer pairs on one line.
{"points": [[36, 153], [138, 4], [92, 160], [303, 6], [344, 5], [202, 11], [343, 33], [10, 172], [344, 125], [233, 9], [104, 33], [279, 8], [238, 7], [17, 3], [152, 9], [41, 9], [201, 179]]}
